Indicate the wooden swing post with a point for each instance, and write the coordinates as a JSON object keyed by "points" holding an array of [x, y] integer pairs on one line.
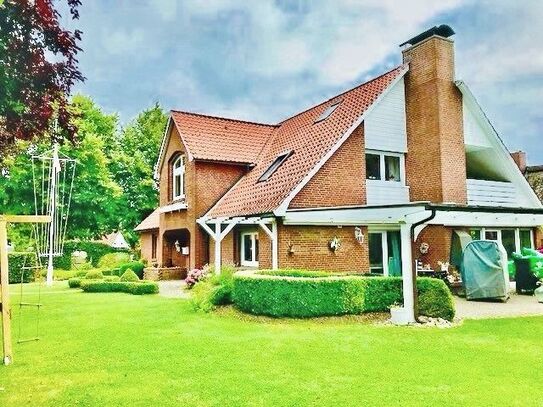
{"points": [[4, 277]]}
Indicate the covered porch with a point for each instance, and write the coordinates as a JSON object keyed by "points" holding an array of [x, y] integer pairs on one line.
{"points": [[219, 228], [408, 222]]}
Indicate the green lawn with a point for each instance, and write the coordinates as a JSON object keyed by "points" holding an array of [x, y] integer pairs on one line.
{"points": [[118, 349]]}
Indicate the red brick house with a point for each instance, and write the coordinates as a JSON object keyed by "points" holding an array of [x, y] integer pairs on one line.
{"points": [[356, 183]]}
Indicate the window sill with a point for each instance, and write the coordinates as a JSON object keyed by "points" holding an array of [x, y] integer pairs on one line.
{"points": [[392, 184], [176, 206]]}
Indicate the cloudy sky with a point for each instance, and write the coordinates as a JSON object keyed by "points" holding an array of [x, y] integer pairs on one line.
{"points": [[265, 60]]}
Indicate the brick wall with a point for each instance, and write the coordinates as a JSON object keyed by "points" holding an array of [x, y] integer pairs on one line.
{"points": [[205, 183], [310, 246], [435, 163], [146, 245], [341, 180], [439, 238], [538, 237]]}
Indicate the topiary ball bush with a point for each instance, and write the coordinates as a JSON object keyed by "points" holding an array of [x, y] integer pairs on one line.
{"points": [[136, 266], [94, 275], [129, 276]]}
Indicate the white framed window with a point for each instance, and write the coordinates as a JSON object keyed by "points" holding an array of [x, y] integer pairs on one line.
{"points": [[178, 177], [385, 252], [249, 249], [385, 167], [513, 240]]}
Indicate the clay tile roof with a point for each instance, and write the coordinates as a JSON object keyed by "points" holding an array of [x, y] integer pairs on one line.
{"points": [[221, 139], [309, 142], [149, 223]]}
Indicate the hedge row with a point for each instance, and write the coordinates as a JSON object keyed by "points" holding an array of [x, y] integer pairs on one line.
{"points": [[94, 250], [136, 288], [75, 282], [16, 262], [300, 297]]}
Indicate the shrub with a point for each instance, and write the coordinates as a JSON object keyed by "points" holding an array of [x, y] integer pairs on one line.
{"points": [[435, 299], [112, 278], [94, 275], [16, 262], [135, 288], [80, 273], [129, 275], [275, 295], [74, 282], [113, 260], [61, 275], [213, 290], [95, 251], [299, 297], [83, 266], [195, 275], [136, 266]]}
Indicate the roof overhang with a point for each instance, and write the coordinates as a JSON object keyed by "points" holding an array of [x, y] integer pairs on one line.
{"points": [[412, 213]]}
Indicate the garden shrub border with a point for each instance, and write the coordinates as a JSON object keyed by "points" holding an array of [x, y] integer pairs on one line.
{"points": [[135, 288], [263, 293]]}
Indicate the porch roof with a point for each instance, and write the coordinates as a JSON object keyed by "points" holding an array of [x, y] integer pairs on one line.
{"points": [[149, 223], [414, 212]]}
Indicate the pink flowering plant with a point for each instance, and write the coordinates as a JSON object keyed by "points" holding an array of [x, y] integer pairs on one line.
{"points": [[195, 275]]}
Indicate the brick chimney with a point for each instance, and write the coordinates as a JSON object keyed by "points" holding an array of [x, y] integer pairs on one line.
{"points": [[436, 158], [520, 159]]}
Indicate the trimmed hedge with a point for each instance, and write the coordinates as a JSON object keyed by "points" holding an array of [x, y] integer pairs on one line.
{"points": [[16, 262], [129, 275], [74, 282], [136, 266], [95, 251], [301, 297], [139, 288], [113, 260], [94, 275]]}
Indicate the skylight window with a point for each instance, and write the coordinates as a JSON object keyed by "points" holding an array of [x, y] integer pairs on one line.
{"points": [[328, 111], [280, 159]]}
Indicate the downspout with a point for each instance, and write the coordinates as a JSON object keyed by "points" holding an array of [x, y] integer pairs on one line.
{"points": [[414, 269]]}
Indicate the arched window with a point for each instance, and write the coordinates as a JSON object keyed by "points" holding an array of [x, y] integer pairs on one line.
{"points": [[178, 176]]}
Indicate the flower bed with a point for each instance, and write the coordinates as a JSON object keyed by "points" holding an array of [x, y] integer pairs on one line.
{"points": [[292, 293]]}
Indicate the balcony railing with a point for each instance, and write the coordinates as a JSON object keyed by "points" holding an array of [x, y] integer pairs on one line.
{"points": [[491, 193]]}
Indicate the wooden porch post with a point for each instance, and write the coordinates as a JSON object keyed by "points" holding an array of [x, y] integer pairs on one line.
{"points": [[4, 288]]}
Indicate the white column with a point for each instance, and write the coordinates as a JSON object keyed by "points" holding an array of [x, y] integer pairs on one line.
{"points": [[275, 250], [407, 272], [218, 247]]}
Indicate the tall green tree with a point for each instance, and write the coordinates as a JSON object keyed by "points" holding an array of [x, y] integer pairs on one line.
{"points": [[133, 166], [96, 199]]}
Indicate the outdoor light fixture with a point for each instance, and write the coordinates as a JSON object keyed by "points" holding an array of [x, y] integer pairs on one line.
{"points": [[177, 246], [359, 235]]}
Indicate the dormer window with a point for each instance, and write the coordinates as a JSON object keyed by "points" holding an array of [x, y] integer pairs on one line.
{"points": [[280, 159], [328, 111], [178, 177]]}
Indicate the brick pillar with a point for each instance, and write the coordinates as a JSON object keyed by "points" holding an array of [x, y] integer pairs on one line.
{"points": [[436, 159]]}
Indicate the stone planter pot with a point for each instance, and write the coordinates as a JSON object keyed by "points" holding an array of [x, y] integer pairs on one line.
{"points": [[539, 293], [399, 316]]}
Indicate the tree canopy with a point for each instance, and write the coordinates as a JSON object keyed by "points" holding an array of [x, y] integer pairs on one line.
{"points": [[113, 186], [38, 68]]}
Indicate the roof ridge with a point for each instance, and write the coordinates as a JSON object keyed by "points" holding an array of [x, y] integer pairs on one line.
{"points": [[224, 118], [343, 93]]}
